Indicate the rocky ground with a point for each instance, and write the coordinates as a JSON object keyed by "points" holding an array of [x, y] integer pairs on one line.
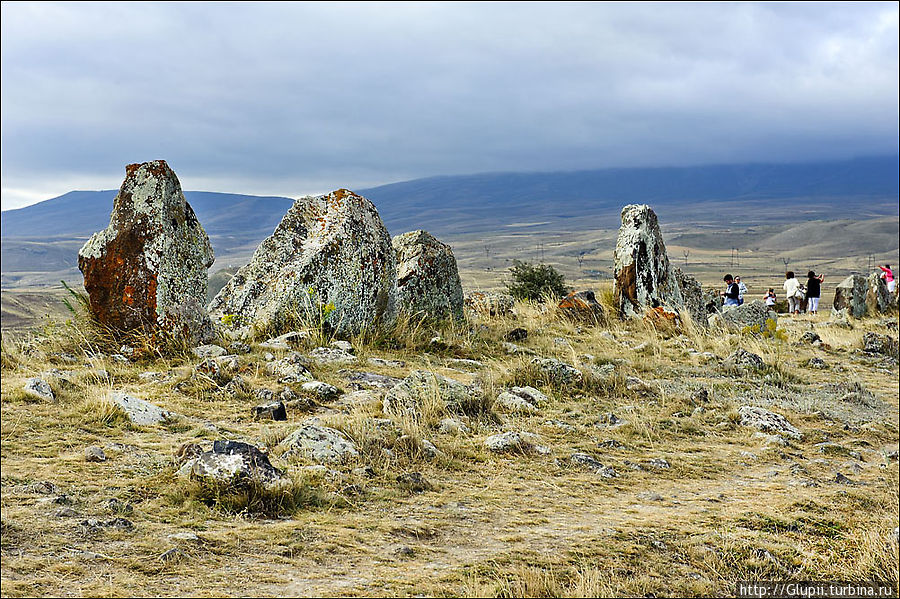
{"points": [[514, 455]]}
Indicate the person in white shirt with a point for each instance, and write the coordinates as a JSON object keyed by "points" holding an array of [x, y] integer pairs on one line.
{"points": [[742, 289], [791, 289]]}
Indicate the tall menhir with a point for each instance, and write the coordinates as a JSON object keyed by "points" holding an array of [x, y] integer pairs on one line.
{"points": [[148, 268]]}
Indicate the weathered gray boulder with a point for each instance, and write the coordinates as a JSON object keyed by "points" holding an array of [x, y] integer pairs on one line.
{"points": [[331, 355], [38, 388], [515, 441], [330, 258], [425, 391], [515, 404], [880, 344], [692, 294], [850, 295], [488, 303], [767, 421], [148, 268], [878, 298], [320, 444], [554, 372], [428, 282], [322, 391], [139, 411], [644, 277], [275, 410], [290, 369], [743, 359], [235, 464], [748, 314]]}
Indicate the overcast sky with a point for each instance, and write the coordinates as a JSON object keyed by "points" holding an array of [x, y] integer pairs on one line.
{"points": [[289, 99]]}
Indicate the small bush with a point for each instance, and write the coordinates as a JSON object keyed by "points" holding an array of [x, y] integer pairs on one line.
{"points": [[533, 282], [253, 498]]}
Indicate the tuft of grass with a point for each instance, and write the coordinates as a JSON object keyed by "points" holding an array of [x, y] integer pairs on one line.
{"points": [[251, 497]]}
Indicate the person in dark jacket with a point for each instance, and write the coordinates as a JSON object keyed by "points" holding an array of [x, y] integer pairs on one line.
{"points": [[813, 291], [732, 293]]}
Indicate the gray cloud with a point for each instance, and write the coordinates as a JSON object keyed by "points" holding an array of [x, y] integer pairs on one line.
{"points": [[295, 98]]}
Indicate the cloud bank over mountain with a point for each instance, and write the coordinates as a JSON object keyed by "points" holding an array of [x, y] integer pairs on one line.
{"points": [[287, 99]]}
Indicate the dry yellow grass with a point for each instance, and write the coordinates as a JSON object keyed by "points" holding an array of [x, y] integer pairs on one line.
{"points": [[728, 507]]}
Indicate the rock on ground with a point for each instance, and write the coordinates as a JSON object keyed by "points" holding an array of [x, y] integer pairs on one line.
{"points": [[290, 369], [881, 344], [329, 259], [741, 358], [748, 314], [582, 306], [515, 441], [321, 444], [422, 388], [331, 355], [233, 463], [486, 303], [767, 421], [428, 282], [148, 268], [556, 372], [38, 388], [644, 277], [510, 402], [139, 411]]}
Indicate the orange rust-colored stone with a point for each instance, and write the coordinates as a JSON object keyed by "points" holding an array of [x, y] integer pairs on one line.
{"points": [[663, 320], [626, 285], [581, 305]]}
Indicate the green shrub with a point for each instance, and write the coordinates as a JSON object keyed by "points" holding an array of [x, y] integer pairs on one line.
{"points": [[533, 282]]}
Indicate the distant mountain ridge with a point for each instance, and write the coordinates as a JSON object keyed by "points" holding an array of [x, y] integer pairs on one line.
{"points": [[46, 236]]}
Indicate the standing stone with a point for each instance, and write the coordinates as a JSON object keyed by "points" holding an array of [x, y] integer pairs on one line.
{"points": [[148, 268], [878, 298], [427, 278], [331, 256], [644, 277], [692, 293], [851, 295]]}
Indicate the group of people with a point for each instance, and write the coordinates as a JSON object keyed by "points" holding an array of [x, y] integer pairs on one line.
{"points": [[795, 292]]}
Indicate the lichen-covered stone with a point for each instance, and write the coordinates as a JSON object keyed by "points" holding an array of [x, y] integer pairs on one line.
{"points": [[692, 294], [748, 314], [428, 282], [233, 463], [644, 277], [139, 411], [850, 295], [39, 388], [743, 359], [880, 344], [148, 268], [878, 298], [330, 257], [320, 444], [515, 441], [767, 421], [582, 306], [488, 303], [555, 372]]}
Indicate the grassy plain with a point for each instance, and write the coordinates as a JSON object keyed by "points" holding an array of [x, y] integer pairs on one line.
{"points": [[699, 501]]}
